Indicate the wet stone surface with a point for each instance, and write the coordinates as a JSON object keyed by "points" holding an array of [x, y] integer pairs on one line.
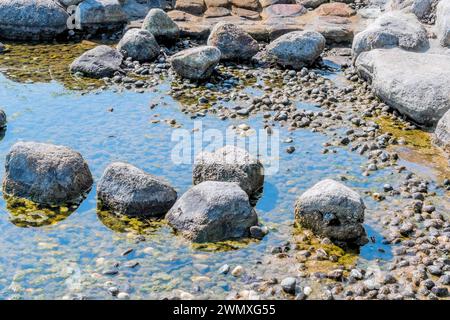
{"points": [[336, 129]]}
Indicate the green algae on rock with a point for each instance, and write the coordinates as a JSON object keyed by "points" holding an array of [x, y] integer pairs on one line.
{"points": [[123, 224], [25, 213], [306, 240], [223, 246]]}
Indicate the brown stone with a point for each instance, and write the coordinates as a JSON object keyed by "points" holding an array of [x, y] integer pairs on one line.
{"points": [[279, 29], [245, 13], [311, 3], [196, 7], [266, 3], [258, 31], [335, 9], [194, 30], [177, 15], [217, 3], [246, 4], [283, 10], [213, 12], [334, 29]]}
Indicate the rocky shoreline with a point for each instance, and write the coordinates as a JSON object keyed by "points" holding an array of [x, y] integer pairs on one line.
{"points": [[397, 70]]}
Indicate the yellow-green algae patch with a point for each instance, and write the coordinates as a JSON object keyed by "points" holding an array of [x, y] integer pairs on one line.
{"points": [[25, 62], [418, 147], [25, 213], [306, 240], [123, 224], [223, 246], [412, 137]]}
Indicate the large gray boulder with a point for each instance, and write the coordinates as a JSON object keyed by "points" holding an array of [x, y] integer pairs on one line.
{"points": [[127, 190], [161, 26], [330, 209], [100, 14], [32, 19], [139, 44], [443, 22], [442, 132], [230, 164], [102, 61], [196, 63], [213, 211], [46, 174], [392, 29], [416, 84], [233, 42], [297, 49]]}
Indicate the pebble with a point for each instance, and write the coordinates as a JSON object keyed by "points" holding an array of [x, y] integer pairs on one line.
{"points": [[300, 296], [434, 270], [110, 272], [244, 127], [258, 232], [288, 285], [290, 149], [114, 291], [307, 291], [237, 271], [123, 296], [356, 274], [224, 269], [131, 264], [440, 291], [445, 279], [127, 252]]}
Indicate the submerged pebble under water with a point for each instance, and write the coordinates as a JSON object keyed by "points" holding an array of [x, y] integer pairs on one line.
{"points": [[87, 253]]}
